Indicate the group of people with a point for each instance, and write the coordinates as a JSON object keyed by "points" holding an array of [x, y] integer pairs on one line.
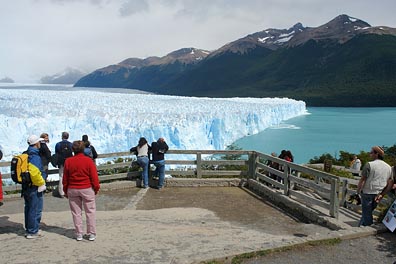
{"points": [[78, 181], [377, 179], [157, 151], [78, 178], [285, 155]]}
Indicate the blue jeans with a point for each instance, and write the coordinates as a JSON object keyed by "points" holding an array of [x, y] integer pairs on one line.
{"points": [[33, 209], [368, 206], [144, 163], [160, 171]]}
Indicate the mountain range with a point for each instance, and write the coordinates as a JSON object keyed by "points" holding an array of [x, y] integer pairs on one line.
{"points": [[345, 62], [67, 76], [6, 80]]}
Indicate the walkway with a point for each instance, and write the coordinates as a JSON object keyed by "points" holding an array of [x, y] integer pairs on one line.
{"points": [[174, 225]]}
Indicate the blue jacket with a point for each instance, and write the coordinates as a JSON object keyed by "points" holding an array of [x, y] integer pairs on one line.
{"points": [[35, 161], [58, 145]]}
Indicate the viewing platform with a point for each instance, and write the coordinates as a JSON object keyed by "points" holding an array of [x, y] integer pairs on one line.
{"points": [[196, 217]]}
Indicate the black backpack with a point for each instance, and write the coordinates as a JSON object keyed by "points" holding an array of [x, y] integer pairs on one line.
{"points": [[65, 152]]}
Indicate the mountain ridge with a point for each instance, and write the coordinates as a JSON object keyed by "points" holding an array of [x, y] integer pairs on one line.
{"points": [[340, 63]]}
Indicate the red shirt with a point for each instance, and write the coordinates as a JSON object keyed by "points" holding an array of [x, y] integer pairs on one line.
{"points": [[80, 173]]}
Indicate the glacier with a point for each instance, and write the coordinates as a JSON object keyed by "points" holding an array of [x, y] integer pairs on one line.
{"points": [[114, 119]]}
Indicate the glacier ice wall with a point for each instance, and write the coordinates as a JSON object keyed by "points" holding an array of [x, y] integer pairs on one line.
{"points": [[115, 119]]}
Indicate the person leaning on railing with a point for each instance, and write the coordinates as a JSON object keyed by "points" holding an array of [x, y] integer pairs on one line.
{"points": [[142, 152], [158, 150]]}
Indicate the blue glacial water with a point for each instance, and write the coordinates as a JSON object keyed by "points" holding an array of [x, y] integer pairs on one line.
{"points": [[327, 130]]}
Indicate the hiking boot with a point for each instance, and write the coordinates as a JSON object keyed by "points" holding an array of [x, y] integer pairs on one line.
{"points": [[79, 237], [92, 237]]}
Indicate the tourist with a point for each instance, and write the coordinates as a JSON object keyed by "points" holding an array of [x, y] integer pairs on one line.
{"points": [[391, 185], [32, 195], [158, 150], [80, 185], [289, 156], [375, 176], [45, 152], [141, 151], [355, 166], [89, 149], [64, 150]]}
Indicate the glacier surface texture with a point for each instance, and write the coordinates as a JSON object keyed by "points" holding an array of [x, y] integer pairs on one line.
{"points": [[115, 119]]}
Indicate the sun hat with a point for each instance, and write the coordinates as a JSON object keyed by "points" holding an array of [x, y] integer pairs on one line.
{"points": [[378, 150]]}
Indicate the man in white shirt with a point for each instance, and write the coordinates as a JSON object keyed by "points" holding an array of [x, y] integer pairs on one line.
{"points": [[375, 176]]}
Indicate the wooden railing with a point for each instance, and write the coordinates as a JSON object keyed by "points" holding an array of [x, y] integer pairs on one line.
{"points": [[308, 186]]}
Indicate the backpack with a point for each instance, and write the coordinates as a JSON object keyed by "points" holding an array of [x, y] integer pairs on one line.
{"points": [[19, 169], [88, 152], [64, 152]]}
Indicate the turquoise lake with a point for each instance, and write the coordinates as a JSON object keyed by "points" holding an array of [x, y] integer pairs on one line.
{"points": [[327, 130]]}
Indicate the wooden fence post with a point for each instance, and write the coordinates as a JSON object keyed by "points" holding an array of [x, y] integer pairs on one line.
{"points": [[334, 200], [199, 165], [252, 165], [344, 191], [286, 180]]}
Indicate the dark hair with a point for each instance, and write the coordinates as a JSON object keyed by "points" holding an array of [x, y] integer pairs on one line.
{"points": [[290, 155], [78, 146], [65, 135], [85, 138], [142, 141], [282, 155]]}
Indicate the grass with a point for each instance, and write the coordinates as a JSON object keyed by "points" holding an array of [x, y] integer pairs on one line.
{"points": [[239, 259]]}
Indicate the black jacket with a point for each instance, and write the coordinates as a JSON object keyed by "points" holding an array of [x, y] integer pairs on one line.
{"points": [[45, 154], [158, 149]]}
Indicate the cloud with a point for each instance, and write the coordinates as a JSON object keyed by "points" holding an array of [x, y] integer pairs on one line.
{"points": [[131, 7], [45, 36]]}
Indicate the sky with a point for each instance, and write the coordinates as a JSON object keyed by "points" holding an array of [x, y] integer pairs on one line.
{"points": [[43, 37]]}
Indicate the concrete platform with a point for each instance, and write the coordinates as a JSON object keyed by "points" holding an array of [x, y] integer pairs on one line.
{"points": [[174, 225]]}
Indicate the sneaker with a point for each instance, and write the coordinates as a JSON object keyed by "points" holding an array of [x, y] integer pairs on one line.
{"points": [[92, 237], [33, 236], [79, 237]]}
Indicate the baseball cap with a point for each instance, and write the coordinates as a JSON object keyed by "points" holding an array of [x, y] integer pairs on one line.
{"points": [[33, 139]]}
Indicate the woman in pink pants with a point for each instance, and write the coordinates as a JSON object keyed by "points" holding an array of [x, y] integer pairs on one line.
{"points": [[81, 184]]}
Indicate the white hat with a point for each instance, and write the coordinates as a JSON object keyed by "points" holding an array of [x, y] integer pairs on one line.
{"points": [[33, 139]]}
